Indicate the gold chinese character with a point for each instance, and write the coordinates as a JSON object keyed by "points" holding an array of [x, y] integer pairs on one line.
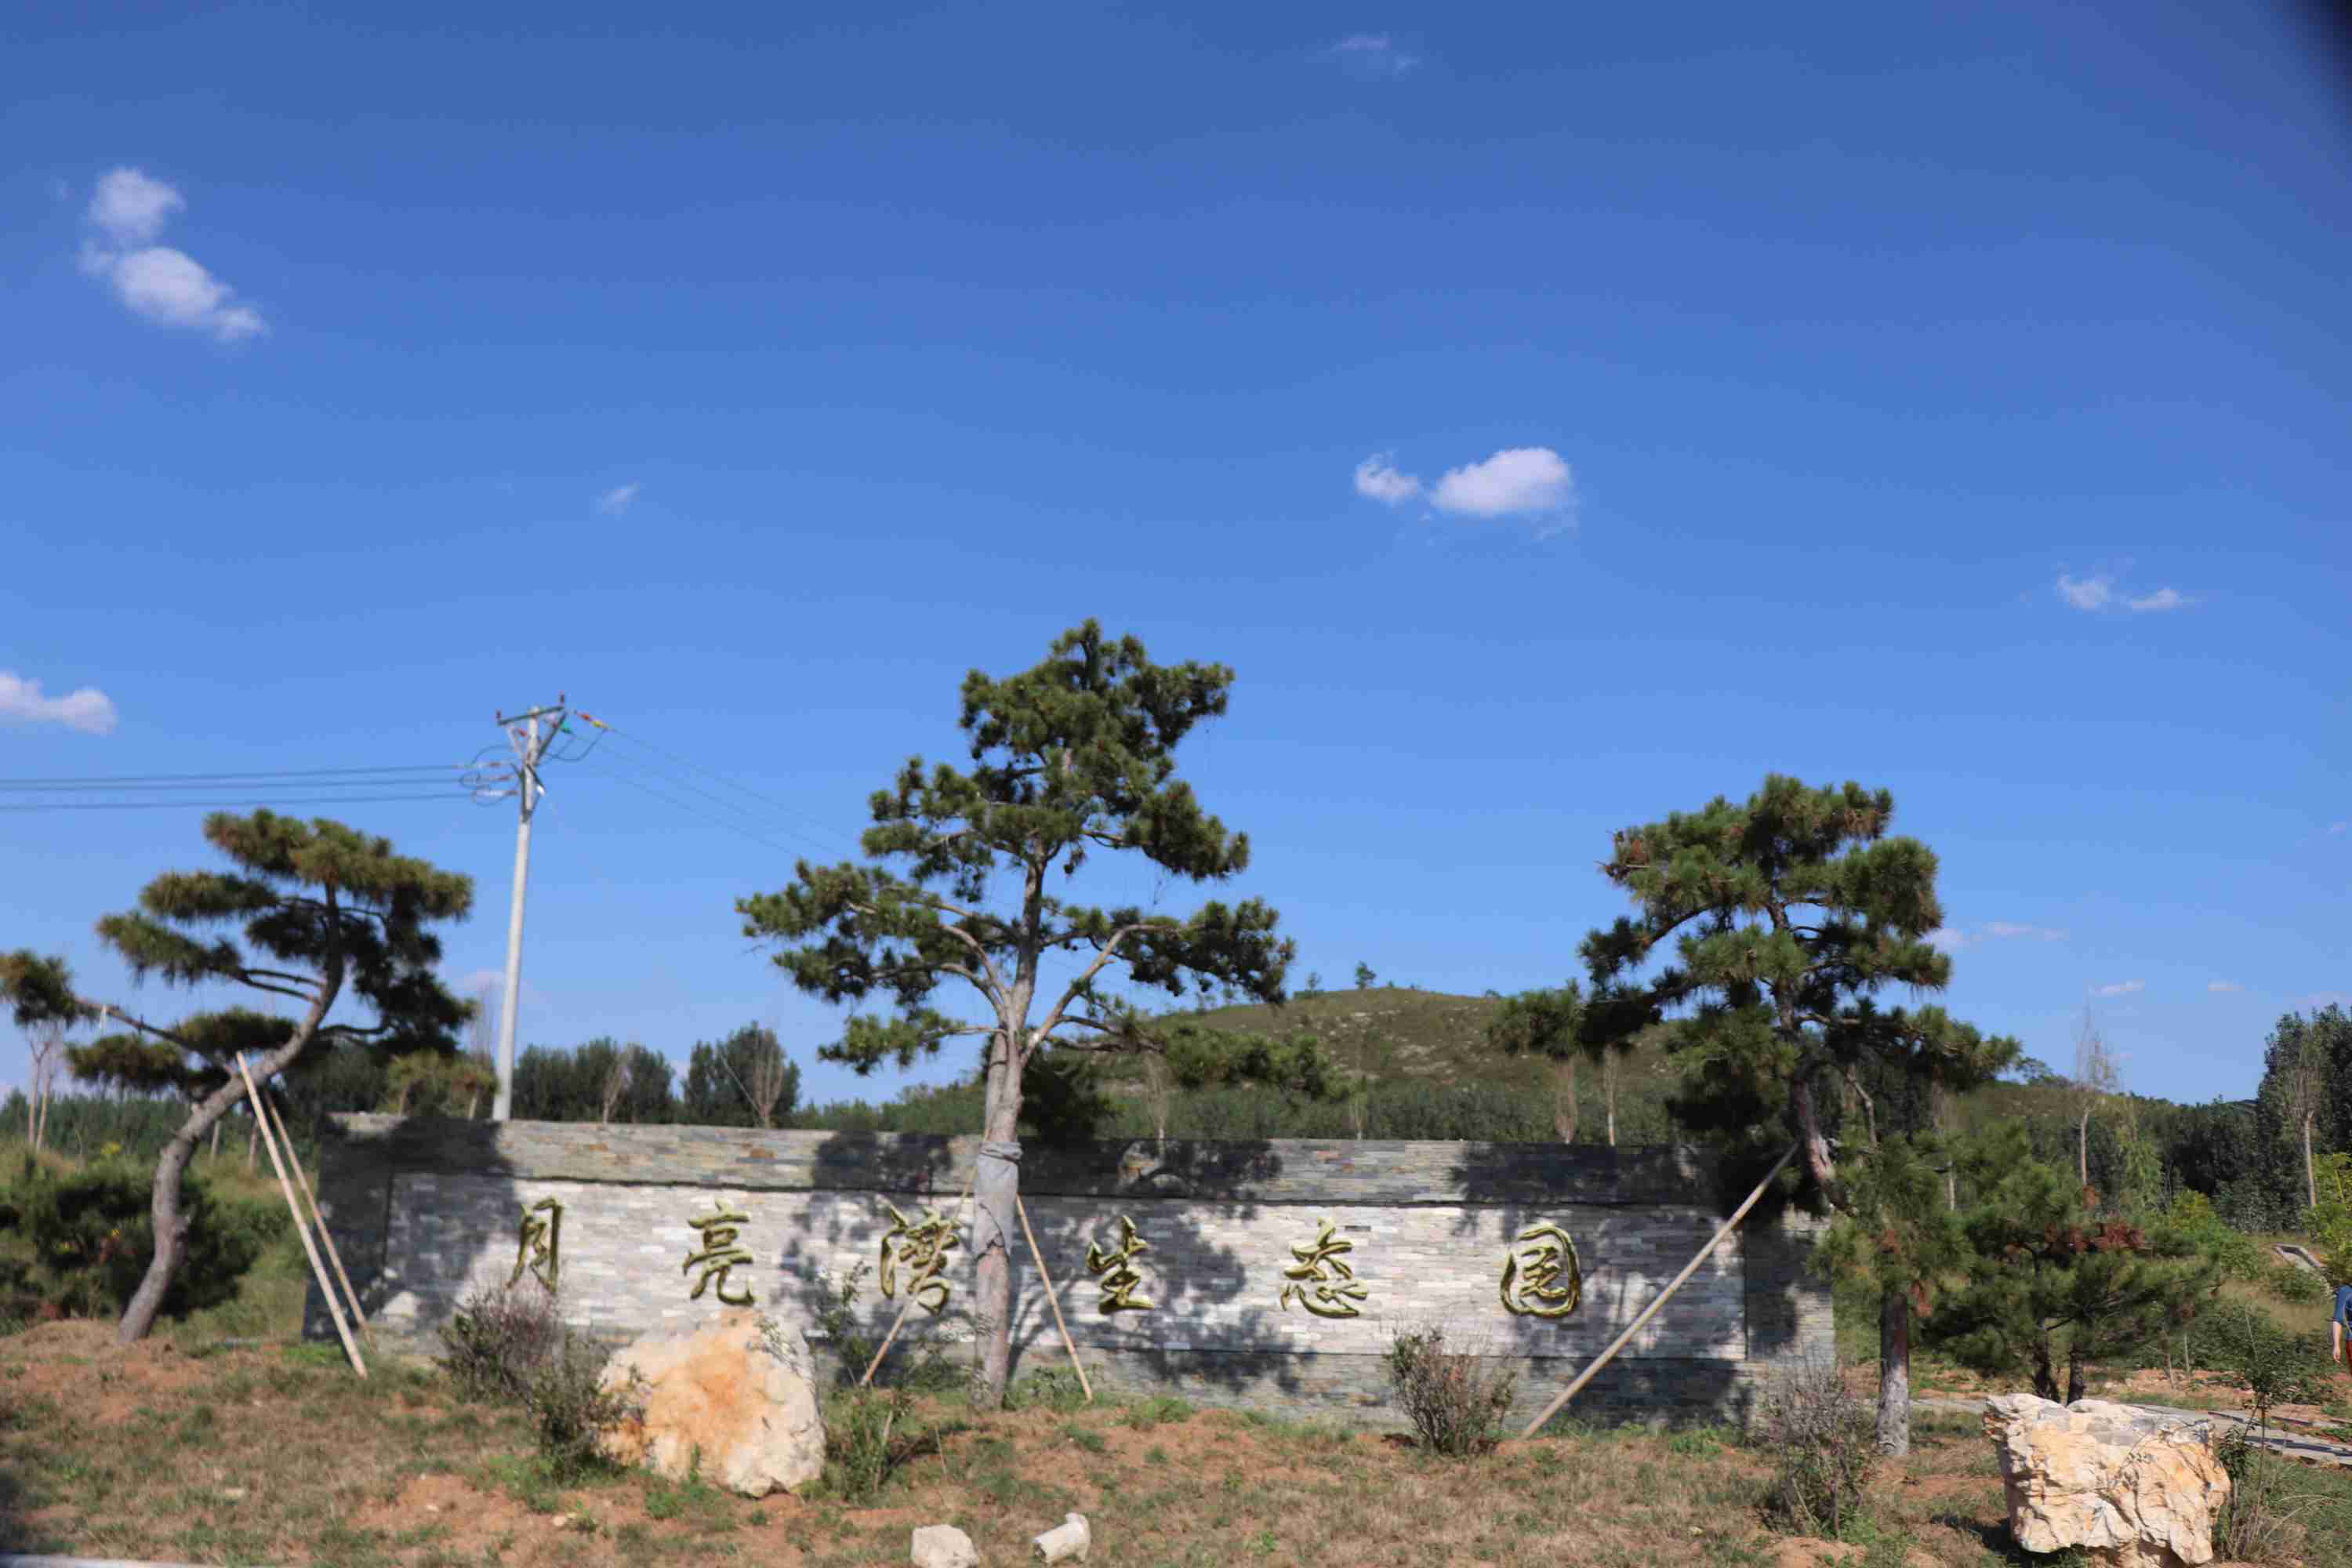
{"points": [[1331, 1296], [923, 1249], [1115, 1271], [542, 1239], [718, 1255], [1532, 1283]]}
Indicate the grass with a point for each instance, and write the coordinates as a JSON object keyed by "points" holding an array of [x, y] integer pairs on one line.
{"points": [[266, 1456]]}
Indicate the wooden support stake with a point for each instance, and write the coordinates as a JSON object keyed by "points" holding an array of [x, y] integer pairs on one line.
{"points": [[1622, 1341], [326, 1286], [909, 1305], [277, 1128], [1051, 1300]]}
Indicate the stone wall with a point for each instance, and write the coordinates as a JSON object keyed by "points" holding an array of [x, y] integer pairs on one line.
{"points": [[425, 1211]]}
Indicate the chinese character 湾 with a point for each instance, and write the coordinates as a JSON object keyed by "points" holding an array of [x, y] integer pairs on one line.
{"points": [[719, 1255], [1533, 1282], [923, 1246], [1332, 1293], [1115, 1271], [540, 1247]]}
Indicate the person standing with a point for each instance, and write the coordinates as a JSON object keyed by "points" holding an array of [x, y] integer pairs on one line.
{"points": [[2339, 1327]]}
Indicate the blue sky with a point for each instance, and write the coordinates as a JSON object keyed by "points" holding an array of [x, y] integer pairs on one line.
{"points": [[1556, 416]]}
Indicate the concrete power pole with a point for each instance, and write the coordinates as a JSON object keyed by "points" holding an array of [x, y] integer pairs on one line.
{"points": [[531, 733]]}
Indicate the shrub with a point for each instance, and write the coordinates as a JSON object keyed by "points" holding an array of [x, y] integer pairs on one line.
{"points": [[921, 1365], [1052, 1388], [2297, 1286], [1454, 1398], [1822, 1443], [570, 1410], [868, 1435], [500, 1339], [93, 1231]]}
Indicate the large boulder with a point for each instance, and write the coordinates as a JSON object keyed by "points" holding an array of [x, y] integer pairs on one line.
{"points": [[2127, 1487], [740, 1392]]}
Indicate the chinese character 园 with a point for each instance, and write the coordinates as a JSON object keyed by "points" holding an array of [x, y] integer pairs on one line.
{"points": [[1533, 1284], [1332, 1293], [1115, 1271], [719, 1255]]}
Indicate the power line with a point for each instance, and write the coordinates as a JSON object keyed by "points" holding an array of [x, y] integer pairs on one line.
{"points": [[610, 770], [220, 804], [257, 779], [779, 805], [697, 812]]}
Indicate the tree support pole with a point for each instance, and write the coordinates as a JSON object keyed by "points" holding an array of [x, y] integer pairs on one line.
{"points": [[1047, 1277], [309, 1248], [1679, 1281], [276, 1124]]}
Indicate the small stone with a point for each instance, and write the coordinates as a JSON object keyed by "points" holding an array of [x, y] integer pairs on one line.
{"points": [[1067, 1542], [561, 1521], [233, 1494], [943, 1546]]}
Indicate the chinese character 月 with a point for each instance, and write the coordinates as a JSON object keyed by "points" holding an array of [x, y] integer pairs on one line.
{"points": [[1115, 1271], [542, 1239], [1332, 1293], [1532, 1282], [923, 1246], [720, 1254]]}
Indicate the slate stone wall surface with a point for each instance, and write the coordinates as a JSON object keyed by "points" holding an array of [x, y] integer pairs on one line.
{"points": [[425, 1211]]}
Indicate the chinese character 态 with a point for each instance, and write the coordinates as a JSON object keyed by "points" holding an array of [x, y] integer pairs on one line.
{"points": [[1533, 1284], [1115, 1271], [720, 1254], [923, 1249], [539, 1250], [1331, 1295]]}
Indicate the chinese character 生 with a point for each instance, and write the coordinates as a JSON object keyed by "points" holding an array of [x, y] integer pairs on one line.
{"points": [[1332, 1294], [540, 1247], [719, 1256], [1541, 1277], [1115, 1271], [922, 1246]]}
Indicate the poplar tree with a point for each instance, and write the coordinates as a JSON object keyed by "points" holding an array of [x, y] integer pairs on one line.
{"points": [[1779, 918], [962, 889], [327, 915]]}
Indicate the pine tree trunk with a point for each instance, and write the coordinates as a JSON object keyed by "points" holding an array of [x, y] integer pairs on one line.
{"points": [[997, 1190], [2045, 1376], [1563, 1099], [2310, 1172], [1895, 1375], [2075, 1366], [1609, 1086]]}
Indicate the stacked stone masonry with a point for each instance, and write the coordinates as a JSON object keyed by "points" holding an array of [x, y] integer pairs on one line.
{"points": [[427, 1211]]}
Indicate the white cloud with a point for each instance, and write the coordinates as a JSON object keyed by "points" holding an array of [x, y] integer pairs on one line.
{"points": [[133, 209], [2088, 592], [1374, 55], [89, 709], [1377, 479], [2162, 599], [615, 501], [2009, 928], [1952, 938], [2120, 988], [165, 286], [1517, 481], [2224, 985]]}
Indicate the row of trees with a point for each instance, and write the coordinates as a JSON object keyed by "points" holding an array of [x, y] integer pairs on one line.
{"points": [[1762, 937]]}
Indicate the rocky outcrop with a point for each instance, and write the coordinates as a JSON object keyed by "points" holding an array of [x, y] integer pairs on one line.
{"points": [[737, 1396], [2127, 1487]]}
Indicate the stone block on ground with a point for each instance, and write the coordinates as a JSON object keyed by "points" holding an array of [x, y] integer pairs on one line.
{"points": [[1067, 1542], [740, 1391], [2129, 1487], [943, 1546]]}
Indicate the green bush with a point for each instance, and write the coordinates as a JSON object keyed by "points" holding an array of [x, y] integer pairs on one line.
{"points": [[1055, 1388], [2295, 1286], [499, 1341], [869, 1433], [570, 1410], [91, 1234], [1822, 1443], [1454, 1399], [922, 1366]]}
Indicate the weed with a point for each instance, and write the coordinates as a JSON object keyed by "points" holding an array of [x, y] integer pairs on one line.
{"points": [[1822, 1439], [1454, 1399], [499, 1338]]}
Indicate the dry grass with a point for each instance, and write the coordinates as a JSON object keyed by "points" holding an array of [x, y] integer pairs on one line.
{"points": [[278, 1456]]}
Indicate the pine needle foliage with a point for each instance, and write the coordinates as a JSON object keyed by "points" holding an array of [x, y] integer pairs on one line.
{"points": [[314, 912]]}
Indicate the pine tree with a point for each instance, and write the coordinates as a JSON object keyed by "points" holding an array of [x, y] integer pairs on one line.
{"points": [[1549, 1024], [330, 914], [1782, 916], [1072, 756], [2047, 1264]]}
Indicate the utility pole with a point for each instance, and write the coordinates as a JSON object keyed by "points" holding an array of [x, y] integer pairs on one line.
{"points": [[531, 734]]}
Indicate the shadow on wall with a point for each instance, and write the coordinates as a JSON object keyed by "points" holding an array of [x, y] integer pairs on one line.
{"points": [[1212, 1273]]}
